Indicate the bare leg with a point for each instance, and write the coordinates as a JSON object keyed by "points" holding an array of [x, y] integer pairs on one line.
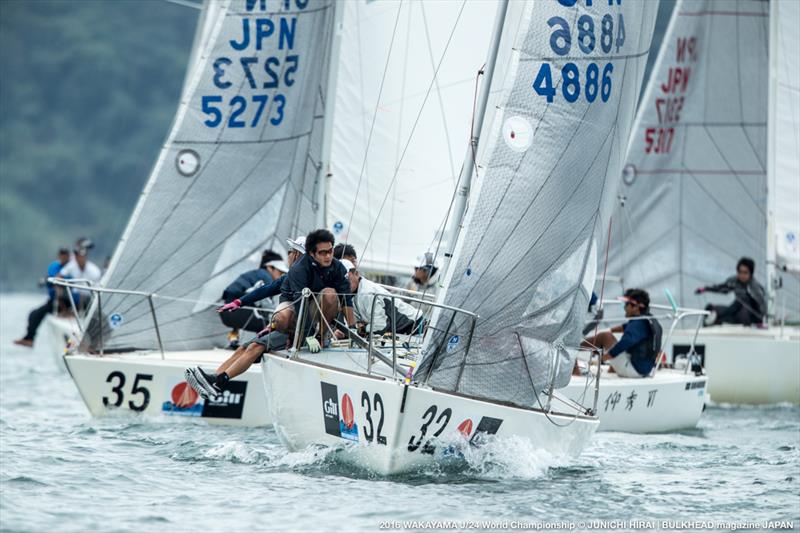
{"points": [[229, 361], [283, 319], [241, 364], [603, 340], [330, 304]]}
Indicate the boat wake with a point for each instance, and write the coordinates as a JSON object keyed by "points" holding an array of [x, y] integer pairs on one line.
{"points": [[511, 457]]}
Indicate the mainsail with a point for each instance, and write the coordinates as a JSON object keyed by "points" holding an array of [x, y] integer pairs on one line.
{"points": [[783, 168], [525, 258], [695, 193], [238, 173], [390, 53]]}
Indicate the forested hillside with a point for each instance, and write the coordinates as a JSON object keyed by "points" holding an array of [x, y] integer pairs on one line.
{"points": [[87, 92]]}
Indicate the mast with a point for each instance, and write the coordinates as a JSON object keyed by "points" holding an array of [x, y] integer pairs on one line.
{"points": [[465, 177], [772, 272], [323, 174]]}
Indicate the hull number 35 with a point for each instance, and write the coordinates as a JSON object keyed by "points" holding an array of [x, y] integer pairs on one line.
{"points": [[140, 395]]}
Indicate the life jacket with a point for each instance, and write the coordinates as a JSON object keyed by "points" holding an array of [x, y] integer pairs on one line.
{"points": [[656, 331]]}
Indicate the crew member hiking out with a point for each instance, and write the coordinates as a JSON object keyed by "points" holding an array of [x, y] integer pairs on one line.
{"points": [[265, 277], [317, 271], [37, 315], [749, 304], [634, 355]]}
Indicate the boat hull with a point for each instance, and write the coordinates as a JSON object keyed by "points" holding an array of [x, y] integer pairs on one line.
{"points": [[669, 401], [144, 383], [747, 365], [388, 427]]}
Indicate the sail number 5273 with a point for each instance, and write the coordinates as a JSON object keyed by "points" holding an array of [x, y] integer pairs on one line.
{"points": [[243, 112]]}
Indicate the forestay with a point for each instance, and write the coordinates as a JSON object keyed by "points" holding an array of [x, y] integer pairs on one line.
{"points": [[237, 172], [525, 259], [408, 41], [695, 180]]}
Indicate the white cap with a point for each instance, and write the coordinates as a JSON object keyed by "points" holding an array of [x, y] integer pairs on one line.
{"points": [[278, 265], [347, 265], [298, 244], [426, 260]]}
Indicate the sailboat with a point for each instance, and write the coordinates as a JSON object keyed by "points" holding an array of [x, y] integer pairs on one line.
{"points": [[362, 32], [564, 78], [240, 171], [711, 176]]}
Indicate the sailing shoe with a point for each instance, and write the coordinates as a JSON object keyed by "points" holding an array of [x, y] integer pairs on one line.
{"points": [[201, 382], [208, 382], [193, 382]]}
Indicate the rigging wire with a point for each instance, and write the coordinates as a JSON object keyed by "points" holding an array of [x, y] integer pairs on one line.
{"points": [[439, 95], [416, 121], [372, 126]]}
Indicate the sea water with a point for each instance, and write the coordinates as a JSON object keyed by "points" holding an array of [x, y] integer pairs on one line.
{"points": [[62, 470]]}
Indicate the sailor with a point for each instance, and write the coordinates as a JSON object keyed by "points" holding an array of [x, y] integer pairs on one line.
{"points": [[345, 251], [265, 277], [37, 315], [297, 248], [80, 268], [407, 318], [634, 355], [425, 278], [749, 304], [318, 271]]}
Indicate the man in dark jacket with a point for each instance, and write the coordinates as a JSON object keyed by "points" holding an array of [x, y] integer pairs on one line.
{"points": [[318, 271], [634, 355], [749, 305], [270, 269]]}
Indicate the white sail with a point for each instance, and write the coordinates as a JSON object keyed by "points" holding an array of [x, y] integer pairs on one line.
{"points": [[695, 183], [784, 120], [525, 259], [407, 40], [237, 173]]}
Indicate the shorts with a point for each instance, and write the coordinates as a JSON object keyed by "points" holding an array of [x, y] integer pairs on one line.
{"points": [[274, 340], [623, 367]]}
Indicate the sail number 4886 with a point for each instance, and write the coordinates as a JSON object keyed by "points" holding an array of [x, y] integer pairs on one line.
{"points": [[591, 39]]}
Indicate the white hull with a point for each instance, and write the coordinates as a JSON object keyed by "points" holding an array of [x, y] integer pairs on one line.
{"points": [[669, 401], [747, 365], [387, 425], [55, 335], [144, 383]]}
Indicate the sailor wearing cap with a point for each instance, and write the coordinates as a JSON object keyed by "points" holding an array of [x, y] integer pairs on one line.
{"points": [[407, 319], [426, 274], [297, 248]]}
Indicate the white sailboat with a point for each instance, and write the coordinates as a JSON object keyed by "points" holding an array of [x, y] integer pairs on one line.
{"points": [[509, 316], [239, 172], [711, 176], [668, 399]]}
